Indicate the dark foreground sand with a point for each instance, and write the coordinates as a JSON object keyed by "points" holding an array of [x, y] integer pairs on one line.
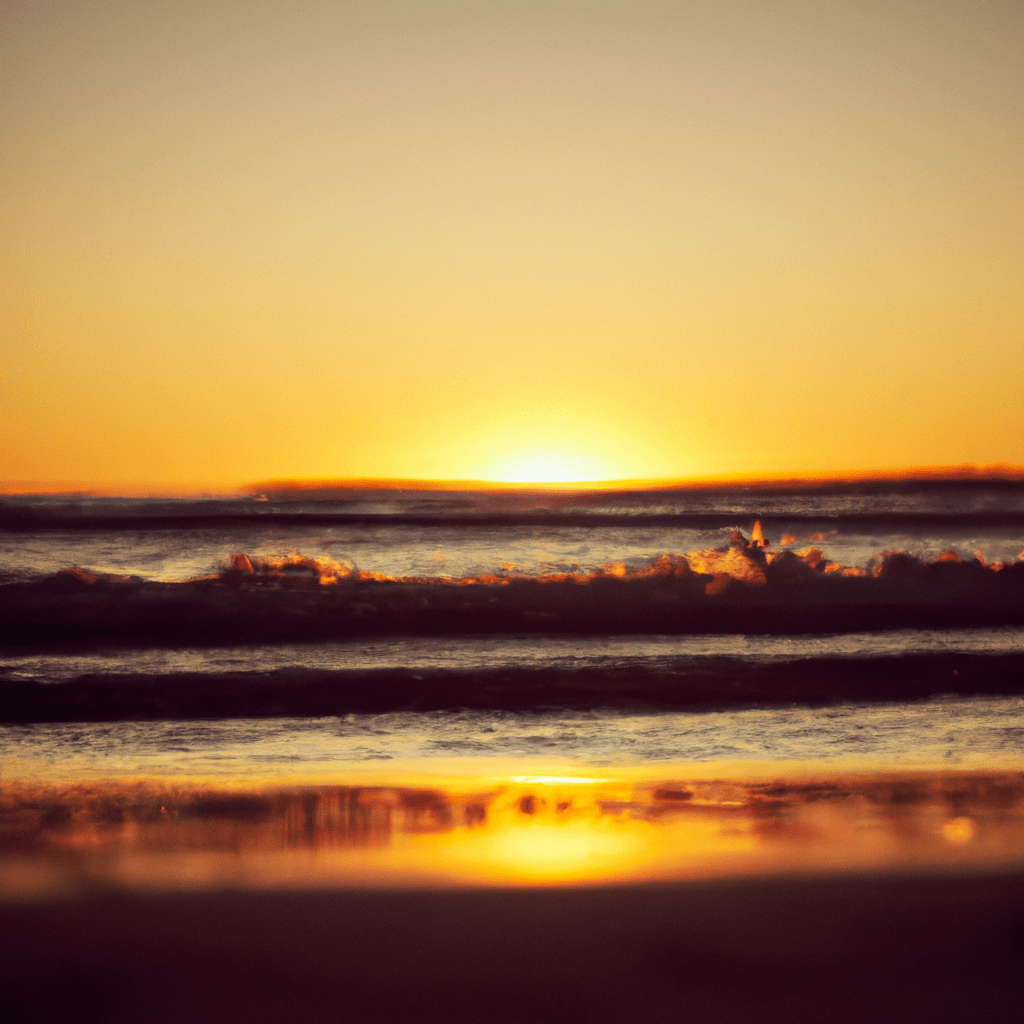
{"points": [[858, 949]]}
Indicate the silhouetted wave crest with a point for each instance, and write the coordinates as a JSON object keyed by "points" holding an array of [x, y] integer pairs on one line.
{"points": [[741, 589]]}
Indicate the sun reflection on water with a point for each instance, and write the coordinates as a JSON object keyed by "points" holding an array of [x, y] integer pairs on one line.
{"points": [[520, 830]]}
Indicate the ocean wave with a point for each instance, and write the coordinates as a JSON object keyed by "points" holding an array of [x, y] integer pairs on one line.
{"points": [[744, 588], [696, 683]]}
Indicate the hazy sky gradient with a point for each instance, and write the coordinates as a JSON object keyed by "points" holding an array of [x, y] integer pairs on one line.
{"points": [[470, 240]]}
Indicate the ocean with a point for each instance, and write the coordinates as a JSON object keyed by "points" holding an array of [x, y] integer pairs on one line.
{"points": [[411, 640]]}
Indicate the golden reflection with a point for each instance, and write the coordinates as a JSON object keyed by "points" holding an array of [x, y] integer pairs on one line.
{"points": [[959, 831], [519, 830]]}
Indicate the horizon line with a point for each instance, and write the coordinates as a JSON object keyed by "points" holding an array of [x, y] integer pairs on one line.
{"points": [[965, 472], [1010, 472]]}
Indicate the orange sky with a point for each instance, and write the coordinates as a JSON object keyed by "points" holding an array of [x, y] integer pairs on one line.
{"points": [[254, 240]]}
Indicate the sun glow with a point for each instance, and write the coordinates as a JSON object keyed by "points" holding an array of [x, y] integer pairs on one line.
{"points": [[551, 468]]}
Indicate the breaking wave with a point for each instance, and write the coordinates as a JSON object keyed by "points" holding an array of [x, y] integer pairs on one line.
{"points": [[743, 588]]}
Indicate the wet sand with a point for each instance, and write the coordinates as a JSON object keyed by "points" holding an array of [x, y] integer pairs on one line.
{"points": [[862, 948]]}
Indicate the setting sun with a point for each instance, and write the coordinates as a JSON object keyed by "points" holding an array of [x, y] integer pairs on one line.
{"points": [[550, 468]]}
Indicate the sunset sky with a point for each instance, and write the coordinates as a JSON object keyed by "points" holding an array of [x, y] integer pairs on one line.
{"points": [[474, 240]]}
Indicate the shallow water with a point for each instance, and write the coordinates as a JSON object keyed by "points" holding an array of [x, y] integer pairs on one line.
{"points": [[954, 731]]}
